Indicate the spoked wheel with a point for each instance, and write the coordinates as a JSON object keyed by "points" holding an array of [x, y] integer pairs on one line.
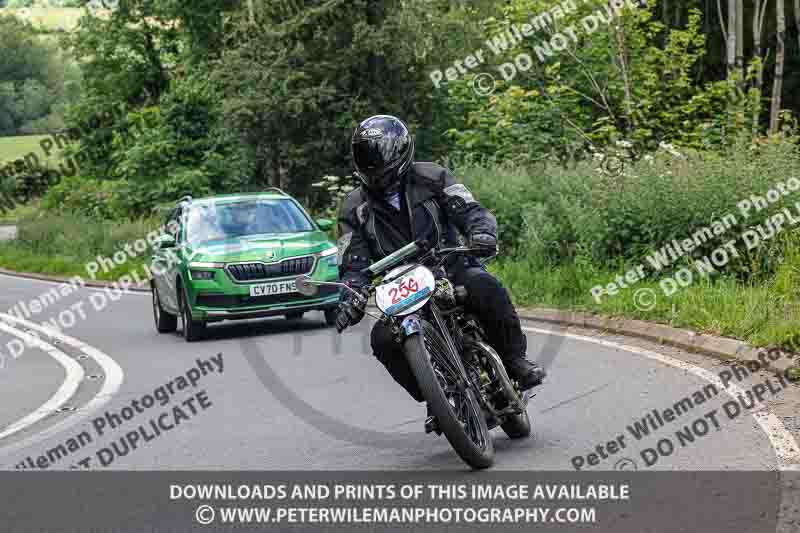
{"points": [[451, 400]]}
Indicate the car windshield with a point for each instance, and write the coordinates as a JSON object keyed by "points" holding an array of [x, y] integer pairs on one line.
{"points": [[217, 221]]}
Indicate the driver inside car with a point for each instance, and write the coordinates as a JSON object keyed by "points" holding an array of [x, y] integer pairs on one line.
{"points": [[401, 201], [239, 219]]}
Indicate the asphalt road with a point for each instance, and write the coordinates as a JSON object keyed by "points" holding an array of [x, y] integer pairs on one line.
{"points": [[294, 395]]}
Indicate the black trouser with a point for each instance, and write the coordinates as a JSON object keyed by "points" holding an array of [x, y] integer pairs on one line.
{"points": [[488, 300]]}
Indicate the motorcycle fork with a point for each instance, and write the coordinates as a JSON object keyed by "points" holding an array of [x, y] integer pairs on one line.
{"points": [[412, 325]]}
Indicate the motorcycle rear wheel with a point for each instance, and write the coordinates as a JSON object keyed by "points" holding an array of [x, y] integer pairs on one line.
{"points": [[458, 413], [515, 426]]}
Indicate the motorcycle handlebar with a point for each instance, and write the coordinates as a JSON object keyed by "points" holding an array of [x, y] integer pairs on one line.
{"points": [[394, 258], [410, 250]]}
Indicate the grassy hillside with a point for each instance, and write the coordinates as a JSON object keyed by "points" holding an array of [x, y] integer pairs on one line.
{"points": [[15, 147]]}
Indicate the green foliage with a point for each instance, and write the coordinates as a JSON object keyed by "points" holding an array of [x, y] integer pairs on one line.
{"points": [[576, 100], [294, 86], [197, 98], [565, 215], [12, 148], [173, 153], [237, 106], [762, 315], [30, 184], [84, 197], [63, 244], [17, 4], [334, 189], [36, 81]]}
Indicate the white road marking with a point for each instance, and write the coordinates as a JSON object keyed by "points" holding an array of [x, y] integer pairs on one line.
{"points": [[783, 442], [74, 376], [113, 380]]}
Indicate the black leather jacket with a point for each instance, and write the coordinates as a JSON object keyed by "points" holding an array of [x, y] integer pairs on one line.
{"points": [[439, 208]]}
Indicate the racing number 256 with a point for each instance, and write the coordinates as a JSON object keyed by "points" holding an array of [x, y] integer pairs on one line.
{"points": [[407, 286]]}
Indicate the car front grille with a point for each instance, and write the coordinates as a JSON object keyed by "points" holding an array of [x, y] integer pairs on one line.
{"points": [[244, 300], [258, 271]]}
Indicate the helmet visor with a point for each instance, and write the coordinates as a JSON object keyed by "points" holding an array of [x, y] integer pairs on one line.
{"points": [[369, 158], [373, 157]]}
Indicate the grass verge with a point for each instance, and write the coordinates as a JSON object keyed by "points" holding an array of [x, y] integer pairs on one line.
{"points": [[64, 244], [12, 148], [762, 315]]}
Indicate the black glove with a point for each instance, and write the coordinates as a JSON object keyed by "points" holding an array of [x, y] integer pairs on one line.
{"points": [[351, 311], [484, 245]]}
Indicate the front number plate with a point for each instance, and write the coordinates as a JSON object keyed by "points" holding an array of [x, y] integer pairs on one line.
{"points": [[277, 287], [407, 293]]}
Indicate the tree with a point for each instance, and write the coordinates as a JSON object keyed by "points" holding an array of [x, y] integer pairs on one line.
{"points": [[777, 87], [296, 84], [35, 81], [740, 41], [732, 36], [759, 11]]}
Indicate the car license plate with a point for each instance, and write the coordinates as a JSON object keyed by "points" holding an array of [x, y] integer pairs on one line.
{"points": [[276, 287]]}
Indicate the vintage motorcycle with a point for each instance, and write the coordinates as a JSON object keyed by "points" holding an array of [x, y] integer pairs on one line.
{"points": [[461, 377]]}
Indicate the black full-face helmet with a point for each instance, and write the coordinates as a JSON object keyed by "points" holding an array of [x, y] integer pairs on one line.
{"points": [[382, 150]]}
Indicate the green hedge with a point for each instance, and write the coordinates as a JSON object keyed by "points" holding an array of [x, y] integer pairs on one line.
{"points": [[559, 216]]}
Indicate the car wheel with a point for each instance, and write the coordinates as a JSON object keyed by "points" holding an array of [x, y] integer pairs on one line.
{"points": [[192, 330], [330, 316], [295, 315], [165, 322]]}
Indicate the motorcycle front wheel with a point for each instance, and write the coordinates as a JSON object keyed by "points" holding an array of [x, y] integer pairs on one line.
{"points": [[456, 408]]}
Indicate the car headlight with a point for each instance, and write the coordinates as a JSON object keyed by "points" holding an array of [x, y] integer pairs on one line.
{"points": [[202, 275], [330, 255]]}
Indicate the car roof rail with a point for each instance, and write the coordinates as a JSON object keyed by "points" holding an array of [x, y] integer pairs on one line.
{"points": [[276, 190]]}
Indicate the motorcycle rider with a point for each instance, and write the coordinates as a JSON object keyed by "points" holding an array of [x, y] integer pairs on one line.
{"points": [[401, 201]]}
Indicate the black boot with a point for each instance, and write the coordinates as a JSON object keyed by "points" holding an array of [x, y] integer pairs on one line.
{"points": [[525, 373]]}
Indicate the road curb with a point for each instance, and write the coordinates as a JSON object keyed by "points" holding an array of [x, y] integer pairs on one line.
{"points": [[691, 341], [95, 283], [719, 347]]}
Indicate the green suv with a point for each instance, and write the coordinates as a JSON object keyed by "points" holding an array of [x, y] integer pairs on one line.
{"points": [[237, 256]]}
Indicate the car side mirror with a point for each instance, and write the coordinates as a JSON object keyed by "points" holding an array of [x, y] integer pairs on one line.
{"points": [[166, 241], [324, 223]]}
